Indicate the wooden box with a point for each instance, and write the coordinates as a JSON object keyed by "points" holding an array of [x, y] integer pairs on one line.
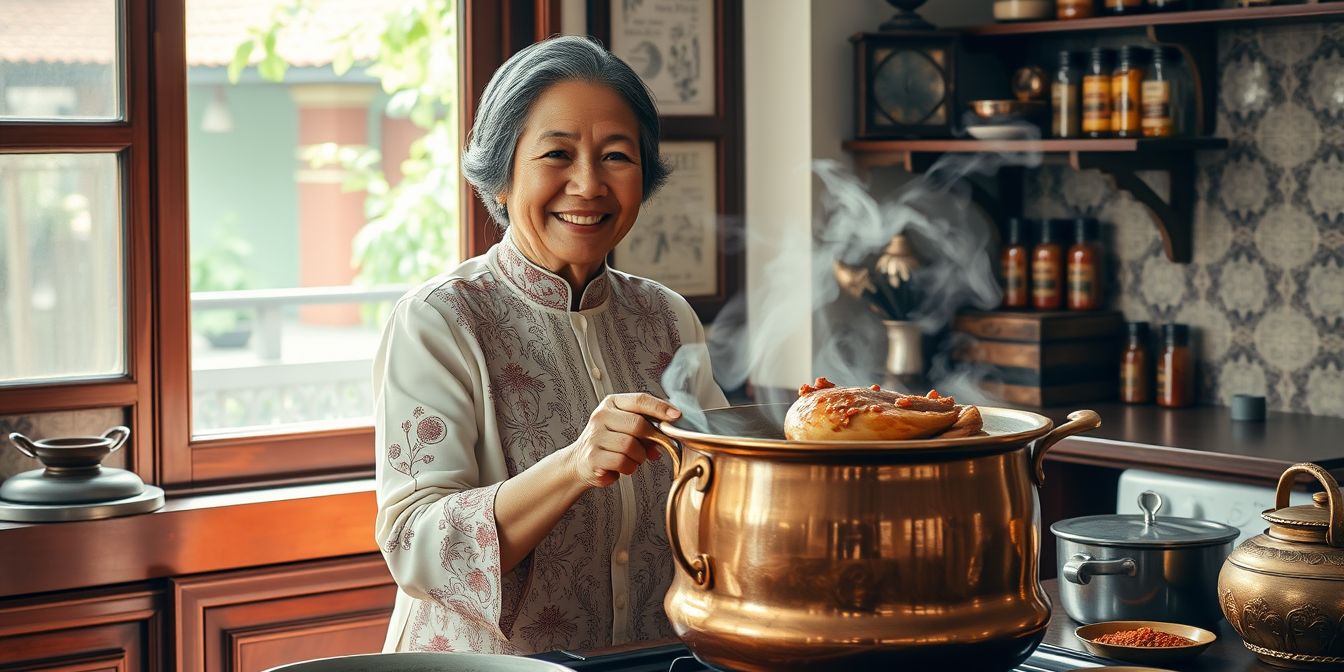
{"points": [[1046, 358]]}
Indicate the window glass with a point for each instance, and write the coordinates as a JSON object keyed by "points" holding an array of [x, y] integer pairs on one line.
{"points": [[62, 268], [59, 59], [322, 184]]}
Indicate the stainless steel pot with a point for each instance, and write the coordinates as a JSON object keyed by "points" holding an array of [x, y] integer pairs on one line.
{"points": [[1141, 567], [828, 555]]}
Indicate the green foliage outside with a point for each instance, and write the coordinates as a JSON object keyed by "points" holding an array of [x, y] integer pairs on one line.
{"points": [[410, 231], [221, 266]]}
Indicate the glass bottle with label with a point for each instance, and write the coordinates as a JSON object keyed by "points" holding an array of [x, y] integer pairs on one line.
{"points": [[1016, 264], [1084, 266], [1175, 368], [1097, 94], [1047, 268], [1135, 369], [1126, 84], [1066, 99], [1066, 10], [1163, 95]]}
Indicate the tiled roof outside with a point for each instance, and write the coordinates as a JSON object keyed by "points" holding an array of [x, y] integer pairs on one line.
{"points": [[80, 31]]}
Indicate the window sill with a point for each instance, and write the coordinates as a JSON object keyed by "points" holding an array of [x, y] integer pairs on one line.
{"points": [[193, 534]]}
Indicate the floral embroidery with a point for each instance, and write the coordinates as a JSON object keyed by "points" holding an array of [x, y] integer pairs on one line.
{"points": [[429, 430], [544, 287], [551, 629]]}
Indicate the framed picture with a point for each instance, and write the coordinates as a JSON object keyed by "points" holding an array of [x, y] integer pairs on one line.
{"points": [[676, 238], [671, 44], [689, 52]]}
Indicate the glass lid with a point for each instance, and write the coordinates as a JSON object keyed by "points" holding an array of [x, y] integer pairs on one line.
{"points": [[1145, 529]]}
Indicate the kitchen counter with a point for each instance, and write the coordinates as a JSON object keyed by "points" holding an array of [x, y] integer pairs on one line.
{"points": [[1202, 441], [1226, 655]]}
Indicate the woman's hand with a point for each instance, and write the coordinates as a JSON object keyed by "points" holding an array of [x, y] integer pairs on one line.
{"points": [[615, 440]]}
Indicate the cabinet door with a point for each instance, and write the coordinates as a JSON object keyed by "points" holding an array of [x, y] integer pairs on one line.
{"points": [[89, 631], [257, 619]]}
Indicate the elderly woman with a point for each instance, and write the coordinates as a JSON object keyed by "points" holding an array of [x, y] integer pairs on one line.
{"points": [[519, 506]]}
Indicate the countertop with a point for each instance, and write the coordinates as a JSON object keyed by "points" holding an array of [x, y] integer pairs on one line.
{"points": [[1226, 655]]}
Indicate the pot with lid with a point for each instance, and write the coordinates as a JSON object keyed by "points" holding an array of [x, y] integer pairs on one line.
{"points": [[822, 555], [1283, 591], [1132, 567]]}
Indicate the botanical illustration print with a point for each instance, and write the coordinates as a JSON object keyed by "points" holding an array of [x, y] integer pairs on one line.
{"points": [[539, 393]]}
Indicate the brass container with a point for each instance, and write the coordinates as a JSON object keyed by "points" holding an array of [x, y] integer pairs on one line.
{"points": [[868, 555], [1283, 591]]}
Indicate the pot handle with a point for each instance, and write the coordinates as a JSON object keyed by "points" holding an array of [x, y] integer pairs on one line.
{"points": [[24, 444], [699, 569], [1079, 421], [1081, 568], [121, 432], [1334, 535]]}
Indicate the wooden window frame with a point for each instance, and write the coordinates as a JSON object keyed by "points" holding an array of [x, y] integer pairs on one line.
{"points": [[152, 150]]}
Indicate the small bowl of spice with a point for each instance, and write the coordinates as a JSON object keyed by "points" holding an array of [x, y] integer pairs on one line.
{"points": [[1148, 642]]}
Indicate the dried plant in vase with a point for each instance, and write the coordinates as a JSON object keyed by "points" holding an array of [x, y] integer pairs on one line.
{"points": [[886, 285]]}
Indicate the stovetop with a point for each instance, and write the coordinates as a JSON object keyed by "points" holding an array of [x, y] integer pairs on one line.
{"points": [[677, 658]]}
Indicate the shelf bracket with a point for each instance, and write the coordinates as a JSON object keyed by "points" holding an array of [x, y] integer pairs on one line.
{"points": [[1175, 218]]}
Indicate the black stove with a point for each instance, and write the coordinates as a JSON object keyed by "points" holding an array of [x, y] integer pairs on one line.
{"points": [[677, 658]]}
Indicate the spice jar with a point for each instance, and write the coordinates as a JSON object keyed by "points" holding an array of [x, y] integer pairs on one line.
{"points": [[1084, 266], [1122, 7], [1097, 94], [1073, 9], [1159, 95], [1126, 84], [1016, 265], [1175, 368], [1066, 118], [1047, 267], [1135, 378]]}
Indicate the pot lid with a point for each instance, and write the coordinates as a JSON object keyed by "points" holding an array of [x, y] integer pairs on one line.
{"points": [[1313, 515], [1145, 529]]}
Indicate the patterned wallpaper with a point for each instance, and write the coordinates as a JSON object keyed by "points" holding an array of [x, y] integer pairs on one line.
{"points": [[1265, 291]]}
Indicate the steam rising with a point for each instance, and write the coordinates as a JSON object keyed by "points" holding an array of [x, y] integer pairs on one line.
{"points": [[849, 342]]}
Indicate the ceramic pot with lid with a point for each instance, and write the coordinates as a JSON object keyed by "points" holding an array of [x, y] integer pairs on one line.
{"points": [[1132, 567], [1283, 591], [828, 555]]}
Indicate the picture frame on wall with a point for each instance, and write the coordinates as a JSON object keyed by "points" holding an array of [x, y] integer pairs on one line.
{"points": [[676, 239], [671, 44]]}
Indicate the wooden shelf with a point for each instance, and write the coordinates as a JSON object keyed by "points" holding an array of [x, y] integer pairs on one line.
{"points": [[1120, 158], [1328, 11]]}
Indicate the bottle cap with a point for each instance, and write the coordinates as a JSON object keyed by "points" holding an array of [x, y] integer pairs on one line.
{"points": [[1176, 334], [1102, 55], [1086, 229], [1248, 407], [1066, 58], [1019, 231], [1052, 230], [1137, 330]]}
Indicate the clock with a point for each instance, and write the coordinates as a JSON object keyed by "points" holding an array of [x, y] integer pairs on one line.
{"points": [[906, 83]]}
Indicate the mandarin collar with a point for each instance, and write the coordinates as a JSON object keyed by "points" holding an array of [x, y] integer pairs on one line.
{"points": [[544, 287]]}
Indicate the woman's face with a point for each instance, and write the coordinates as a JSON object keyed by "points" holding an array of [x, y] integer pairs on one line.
{"points": [[577, 181]]}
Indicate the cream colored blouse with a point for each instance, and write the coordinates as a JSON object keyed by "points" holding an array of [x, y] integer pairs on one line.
{"points": [[481, 373]]}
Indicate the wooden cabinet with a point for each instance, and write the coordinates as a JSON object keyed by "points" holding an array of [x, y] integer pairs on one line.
{"points": [[257, 619], [104, 630]]}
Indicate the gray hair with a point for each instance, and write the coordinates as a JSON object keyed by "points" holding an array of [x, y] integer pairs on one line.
{"points": [[487, 161]]}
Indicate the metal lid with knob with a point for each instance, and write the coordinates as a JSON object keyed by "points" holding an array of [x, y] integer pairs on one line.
{"points": [[1146, 529], [1322, 521]]}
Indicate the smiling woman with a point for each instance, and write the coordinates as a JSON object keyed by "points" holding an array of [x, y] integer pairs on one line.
{"points": [[520, 506]]}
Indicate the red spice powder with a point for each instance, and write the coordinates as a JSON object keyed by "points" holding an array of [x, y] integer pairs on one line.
{"points": [[1146, 637]]}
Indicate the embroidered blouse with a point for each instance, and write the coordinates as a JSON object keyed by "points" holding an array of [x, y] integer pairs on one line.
{"points": [[481, 373]]}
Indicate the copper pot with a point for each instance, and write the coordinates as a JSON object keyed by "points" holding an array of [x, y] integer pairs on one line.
{"points": [[879, 555], [1283, 591]]}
